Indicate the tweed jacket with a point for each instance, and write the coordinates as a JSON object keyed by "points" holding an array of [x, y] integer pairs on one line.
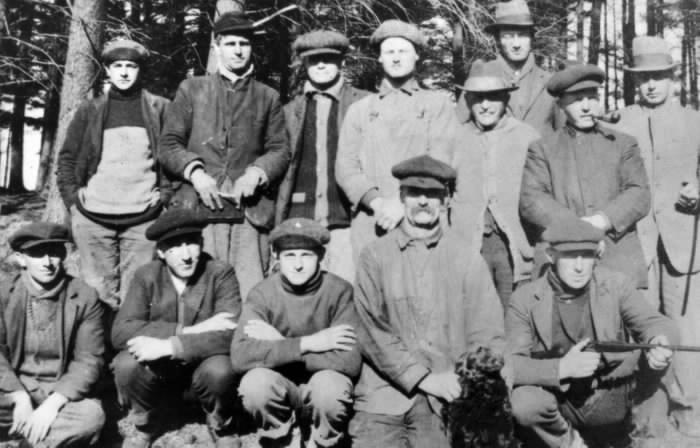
{"points": [[669, 141], [617, 308], [151, 308], [80, 314], [582, 173], [228, 128], [81, 152], [494, 158], [294, 114]]}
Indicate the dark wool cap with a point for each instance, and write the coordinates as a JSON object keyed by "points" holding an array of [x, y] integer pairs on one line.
{"points": [[573, 234], [575, 77], [299, 233], [234, 23], [175, 222], [321, 42], [424, 172], [124, 50], [38, 233], [397, 28]]}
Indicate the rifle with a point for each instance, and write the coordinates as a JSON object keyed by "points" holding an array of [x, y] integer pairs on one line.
{"points": [[614, 347]]}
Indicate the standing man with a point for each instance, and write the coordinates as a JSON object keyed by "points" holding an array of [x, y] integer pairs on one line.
{"points": [[588, 171], [559, 387], [51, 346], [424, 298], [401, 121], [109, 177], [314, 119], [669, 140], [514, 31], [297, 345], [174, 331], [224, 134], [489, 167]]}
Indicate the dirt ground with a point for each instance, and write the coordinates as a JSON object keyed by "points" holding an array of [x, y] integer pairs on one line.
{"points": [[184, 426]]}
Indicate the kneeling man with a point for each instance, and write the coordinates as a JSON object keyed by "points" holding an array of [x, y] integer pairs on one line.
{"points": [[560, 387], [174, 330], [296, 344], [51, 346]]}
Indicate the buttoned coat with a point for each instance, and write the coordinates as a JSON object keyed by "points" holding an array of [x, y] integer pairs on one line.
{"points": [[294, 114], [81, 334], [617, 309], [151, 308], [669, 141], [580, 174], [500, 154]]}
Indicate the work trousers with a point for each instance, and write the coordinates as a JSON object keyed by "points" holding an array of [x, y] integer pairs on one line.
{"points": [[494, 249], [272, 400]]}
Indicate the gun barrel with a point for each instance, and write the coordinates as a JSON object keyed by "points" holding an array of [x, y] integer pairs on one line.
{"points": [[615, 346]]}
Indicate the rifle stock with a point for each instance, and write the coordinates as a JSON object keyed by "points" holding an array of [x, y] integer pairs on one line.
{"points": [[615, 347]]}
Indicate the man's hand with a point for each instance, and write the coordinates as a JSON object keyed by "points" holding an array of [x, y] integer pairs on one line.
{"points": [[42, 418], [21, 412], [145, 348], [659, 358], [218, 322], [443, 385], [206, 188], [689, 195], [598, 221], [340, 337], [257, 329], [155, 198], [388, 212], [246, 185], [577, 363]]}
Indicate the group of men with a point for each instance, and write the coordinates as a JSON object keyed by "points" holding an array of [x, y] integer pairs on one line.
{"points": [[404, 232]]}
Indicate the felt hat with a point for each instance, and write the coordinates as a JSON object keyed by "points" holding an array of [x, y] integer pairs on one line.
{"points": [[511, 14], [234, 22], [650, 54], [486, 77]]}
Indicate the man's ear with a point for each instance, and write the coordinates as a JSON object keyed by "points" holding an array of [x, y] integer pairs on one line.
{"points": [[21, 261], [161, 254], [601, 249], [549, 255]]}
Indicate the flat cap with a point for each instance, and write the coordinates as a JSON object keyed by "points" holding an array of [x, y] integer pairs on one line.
{"points": [[572, 234], [397, 28], [175, 222], [299, 233], [487, 77], [650, 54], [38, 233], [424, 172], [511, 14], [234, 22], [575, 77], [321, 42], [124, 50]]}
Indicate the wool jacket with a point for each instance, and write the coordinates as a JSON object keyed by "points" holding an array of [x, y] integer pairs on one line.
{"points": [[327, 303], [617, 308], [583, 173], [81, 152], [494, 157], [151, 308], [228, 127], [669, 141], [295, 113], [80, 314]]}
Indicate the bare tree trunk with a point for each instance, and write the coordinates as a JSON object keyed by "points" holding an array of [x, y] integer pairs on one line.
{"points": [[48, 131], [84, 41], [222, 6], [579, 31], [607, 58], [15, 183], [655, 18], [684, 70], [594, 36], [628, 26], [691, 33]]}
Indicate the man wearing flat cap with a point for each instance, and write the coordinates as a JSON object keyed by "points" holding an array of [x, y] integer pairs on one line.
{"points": [[296, 346], [51, 346], [174, 330], [588, 171], [424, 296], [565, 395], [489, 165], [109, 177], [401, 121], [314, 119], [514, 31], [224, 136], [669, 140]]}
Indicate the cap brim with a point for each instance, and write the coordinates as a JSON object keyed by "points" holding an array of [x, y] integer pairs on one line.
{"points": [[425, 183], [188, 230], [35, 243], [493, 27], [576, 246], [316, 51], [658, 68], [582, 85]]}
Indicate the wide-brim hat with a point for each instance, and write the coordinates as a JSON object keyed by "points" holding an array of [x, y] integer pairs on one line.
{"points": [[234, 22], [650, 54], [511, 14], [321, 42], [486, 77]]}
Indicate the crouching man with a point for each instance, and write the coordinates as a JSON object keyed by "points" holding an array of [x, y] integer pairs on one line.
{"points": [[561, 388], [51, 346], [297, 344], [174, 330]]}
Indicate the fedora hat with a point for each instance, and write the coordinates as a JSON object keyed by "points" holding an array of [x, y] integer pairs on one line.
{"points": [[486, 77], [513, 13], [650, 54]]}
